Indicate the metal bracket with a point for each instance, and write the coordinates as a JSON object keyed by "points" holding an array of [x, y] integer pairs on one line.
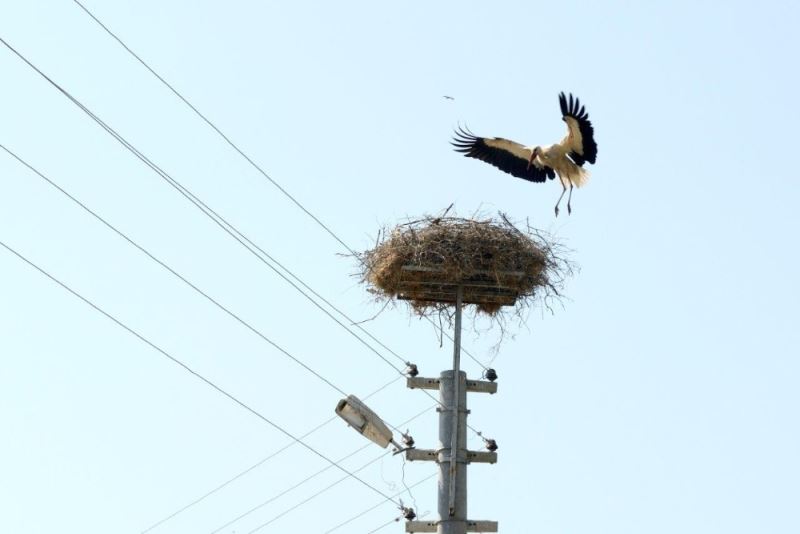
{"points": [[420, 526], [431, 526], [471, 456], [482, 386], [442, 456], [482, 457], [425, 455], [419, 382], [475, 386]]}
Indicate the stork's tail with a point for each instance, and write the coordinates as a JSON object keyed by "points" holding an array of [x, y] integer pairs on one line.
{"points": [[578, 176]]}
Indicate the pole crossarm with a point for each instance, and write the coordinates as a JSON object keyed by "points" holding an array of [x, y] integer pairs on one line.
{"points": [[431, 526], [473, 386], [443, 456]]}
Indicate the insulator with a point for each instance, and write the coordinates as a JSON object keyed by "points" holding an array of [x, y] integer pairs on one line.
{"points": [[491, 445], [491, 375], [409, 514], [412, 370]]}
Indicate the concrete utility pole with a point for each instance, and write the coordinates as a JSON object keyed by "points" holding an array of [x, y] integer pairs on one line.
{"points": [[452, 454]]}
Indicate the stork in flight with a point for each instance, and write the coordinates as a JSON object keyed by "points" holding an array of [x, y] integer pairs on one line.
{"points": [[538, 163]]}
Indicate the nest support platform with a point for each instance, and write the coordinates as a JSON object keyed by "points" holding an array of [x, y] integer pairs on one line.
{"points": [[431, 284]]}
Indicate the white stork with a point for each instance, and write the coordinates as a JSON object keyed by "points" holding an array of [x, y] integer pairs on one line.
{"points": [[537, 164]]}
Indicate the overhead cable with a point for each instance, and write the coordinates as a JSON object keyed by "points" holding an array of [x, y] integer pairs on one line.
{"points": [[216, 218], [188, 369], [310, 477], [247, 158]]}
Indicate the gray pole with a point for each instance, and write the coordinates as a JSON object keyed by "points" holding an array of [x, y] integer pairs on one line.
{"points": [[453, 439], [452, 455]]}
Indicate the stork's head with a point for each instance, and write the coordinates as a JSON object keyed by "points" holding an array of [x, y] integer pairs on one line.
{"points": [[535, 152]]}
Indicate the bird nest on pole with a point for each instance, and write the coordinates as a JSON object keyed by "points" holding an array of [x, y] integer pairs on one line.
{"points": [[497, 264]]}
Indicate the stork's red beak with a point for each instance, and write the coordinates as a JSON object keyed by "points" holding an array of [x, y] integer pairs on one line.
{"points": [[530, 160]]}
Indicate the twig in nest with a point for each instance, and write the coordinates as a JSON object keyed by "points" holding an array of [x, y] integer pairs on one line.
{"points": [[385, 304]]}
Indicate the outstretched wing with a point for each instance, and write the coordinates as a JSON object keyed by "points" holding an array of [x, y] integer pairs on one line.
{"points": [[508, 156], [579, 141]]}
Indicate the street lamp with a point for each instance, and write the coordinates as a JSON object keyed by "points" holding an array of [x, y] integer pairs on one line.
{"points": [[365, 421]]}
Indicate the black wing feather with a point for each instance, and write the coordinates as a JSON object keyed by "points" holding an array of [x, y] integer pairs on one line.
{"points": [[473, 146], [578, 112]]}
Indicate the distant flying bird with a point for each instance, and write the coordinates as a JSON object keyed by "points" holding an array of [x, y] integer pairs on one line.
{"points": [[537, 164], [448, 97]]}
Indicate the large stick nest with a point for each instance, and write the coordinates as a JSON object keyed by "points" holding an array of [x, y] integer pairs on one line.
{"points": [[496, 263]]}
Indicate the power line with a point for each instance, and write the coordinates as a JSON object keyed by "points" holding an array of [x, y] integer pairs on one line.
{"points": [[193, 372], [368, 510], [315, 495], [233, 145], [383, 526], [176, 274], [164, 265], [171, 270], [215, 217], [212, 125], [294, 507], [254, 466], [210, 213], [310, 477]]}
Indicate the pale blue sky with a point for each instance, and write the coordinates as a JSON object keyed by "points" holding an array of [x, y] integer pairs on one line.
{"points": [[664, 396]]}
